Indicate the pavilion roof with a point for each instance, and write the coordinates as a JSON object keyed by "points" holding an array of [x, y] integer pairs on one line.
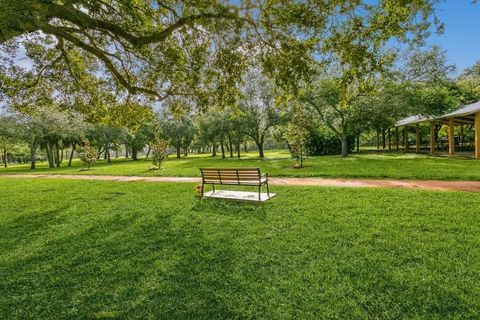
{"points": [[462, 114], [413, 120], [463, 111]]}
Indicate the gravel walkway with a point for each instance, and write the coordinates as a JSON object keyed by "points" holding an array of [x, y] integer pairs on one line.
{"points": [[379, 183]]}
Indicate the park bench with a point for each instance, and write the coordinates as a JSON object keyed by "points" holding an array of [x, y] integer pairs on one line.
{"points": [[235, 176]]}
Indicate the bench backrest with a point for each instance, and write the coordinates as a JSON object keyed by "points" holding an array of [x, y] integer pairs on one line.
{"points": [[230, 175]]}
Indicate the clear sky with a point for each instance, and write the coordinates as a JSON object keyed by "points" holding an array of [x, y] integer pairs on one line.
{"points": [[461, 38]]}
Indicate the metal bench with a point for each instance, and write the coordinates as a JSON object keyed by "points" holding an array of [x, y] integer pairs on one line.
{"points": [[235, 176]]}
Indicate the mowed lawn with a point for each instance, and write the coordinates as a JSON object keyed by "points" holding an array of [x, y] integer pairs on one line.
{"points": [[279, 163], [129, 250]]}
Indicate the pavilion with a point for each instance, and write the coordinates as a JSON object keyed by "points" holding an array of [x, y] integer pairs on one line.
{"points": [[468, 115]]}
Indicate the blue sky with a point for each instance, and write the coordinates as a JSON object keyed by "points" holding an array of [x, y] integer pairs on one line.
{"points": [[461, 37]]}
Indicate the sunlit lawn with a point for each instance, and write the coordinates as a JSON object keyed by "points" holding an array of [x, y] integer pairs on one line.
{"points": [[279, 163], [93, 249]]}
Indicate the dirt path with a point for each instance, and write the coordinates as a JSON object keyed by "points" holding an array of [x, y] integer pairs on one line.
{"points": [[382, 183]]}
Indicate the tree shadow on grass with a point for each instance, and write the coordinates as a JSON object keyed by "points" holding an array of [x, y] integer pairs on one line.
{"points": [[15, 233], [123, 266]]}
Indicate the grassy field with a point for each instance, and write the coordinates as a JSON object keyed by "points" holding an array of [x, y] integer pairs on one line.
{"points": [[366, 165], [102, 250]]}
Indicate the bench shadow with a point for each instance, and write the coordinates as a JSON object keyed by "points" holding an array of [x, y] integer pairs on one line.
{"points": [[232, 208]]}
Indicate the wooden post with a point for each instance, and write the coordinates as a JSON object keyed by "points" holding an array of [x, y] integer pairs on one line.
{"points": [[405, 138], [477, 135], [451, 137], [418, 138], [460, 136], [432, 138], [397, 147]]}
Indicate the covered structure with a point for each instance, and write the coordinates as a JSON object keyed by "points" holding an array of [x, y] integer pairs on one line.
{"points": [[468, 115]]}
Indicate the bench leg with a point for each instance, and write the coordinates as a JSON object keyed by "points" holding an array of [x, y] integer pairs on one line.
{"points": [[259, 193], [268, 191], [203, 188], [213, 186]]}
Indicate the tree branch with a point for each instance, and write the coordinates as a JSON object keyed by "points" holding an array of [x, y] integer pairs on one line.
{"points": [[58, 32], [82, 19]]}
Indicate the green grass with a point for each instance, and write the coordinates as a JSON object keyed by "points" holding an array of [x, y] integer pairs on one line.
{"points": [[279, 163], [95, 249]]}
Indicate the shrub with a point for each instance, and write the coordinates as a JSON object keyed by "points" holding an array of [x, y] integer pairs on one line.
{"points": [[296, 135], [159, 152], [87, 154], [322, 141]]}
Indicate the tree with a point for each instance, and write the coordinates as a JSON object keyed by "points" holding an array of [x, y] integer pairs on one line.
{"points": [[159, 151], [138, 120], [180, 131], [47, 128], [153, 33], [427, 66], [213, 129], [324, 97], [9, 135], [297, 134], [258, 110], [88, 154], [154, 47], [105, 137], [360, 48], [469, 84], [136, 140]]}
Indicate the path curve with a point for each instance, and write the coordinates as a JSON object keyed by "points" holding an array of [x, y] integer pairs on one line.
{"points": [[337, 182]]}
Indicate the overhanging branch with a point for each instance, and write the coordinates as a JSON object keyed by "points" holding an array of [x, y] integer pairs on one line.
{"points": [[83, 20], [58, 32]]}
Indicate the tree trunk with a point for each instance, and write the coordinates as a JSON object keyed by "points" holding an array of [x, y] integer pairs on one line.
{"points": [[259, 144], [260, 150], [343, 140], [148, 152], [222, 147], [33, 149], [384, 140], [214, 150], [105, 156], [107, 152], [126, 152], [185, 152], [358, 143], [238, 146], [289, 147], [245, 146], [71, 155], [5, 156], [49, 152], [389, 140], [230, 145], [378, 140], [179, 151], [57, 155], [134, 154]]}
